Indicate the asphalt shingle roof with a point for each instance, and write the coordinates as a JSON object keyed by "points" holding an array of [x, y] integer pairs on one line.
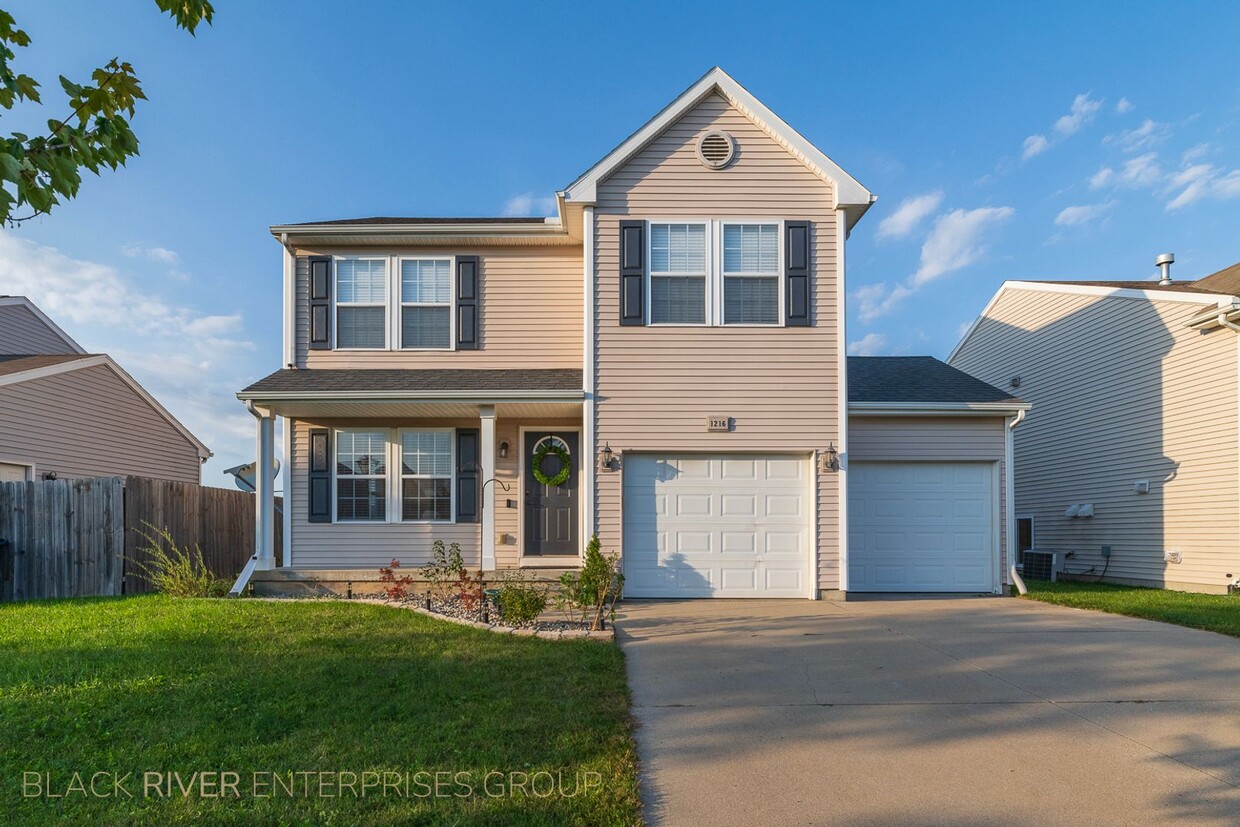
{"points": [[916, 379], [16, 363], [387, 379], [384, 219]]}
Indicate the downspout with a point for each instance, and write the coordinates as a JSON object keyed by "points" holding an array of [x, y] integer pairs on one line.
{"points": [[1227, 323], [1010, 474], [247, 572]]}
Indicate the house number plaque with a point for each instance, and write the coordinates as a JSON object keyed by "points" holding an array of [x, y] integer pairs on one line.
{"points": [[719, 423]]}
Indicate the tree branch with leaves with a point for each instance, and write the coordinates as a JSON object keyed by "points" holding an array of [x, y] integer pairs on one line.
{"points": [[37, 172]]}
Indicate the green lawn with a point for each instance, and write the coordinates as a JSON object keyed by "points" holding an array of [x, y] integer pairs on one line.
{"points": [[265, 689], [1213, 612]]}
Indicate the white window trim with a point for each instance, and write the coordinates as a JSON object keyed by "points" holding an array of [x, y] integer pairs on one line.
{"points": [[397, 505], [715, 278], [386, 476], [777, 276], [651, 275], [399, 303], [393, 477], [336, 303]]}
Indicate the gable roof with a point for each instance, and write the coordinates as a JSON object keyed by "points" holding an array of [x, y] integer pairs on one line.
{"points": [[849, 193], [24, 368], [916, 381], [1226, 281], [22, 301]]}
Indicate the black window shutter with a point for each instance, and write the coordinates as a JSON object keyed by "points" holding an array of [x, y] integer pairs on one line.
{"points": [[320, 475], [796, 256], [320, 293], [632, 272], [467, 468], [466, 302]]}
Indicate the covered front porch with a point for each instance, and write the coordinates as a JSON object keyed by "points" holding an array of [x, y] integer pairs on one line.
{"points": [[381, 464]]}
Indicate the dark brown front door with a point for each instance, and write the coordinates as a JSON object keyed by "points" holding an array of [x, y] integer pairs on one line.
{"points": [[551, 511]]}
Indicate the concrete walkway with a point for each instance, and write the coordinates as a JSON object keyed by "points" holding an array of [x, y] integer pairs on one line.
{"points": [[929, 711]]}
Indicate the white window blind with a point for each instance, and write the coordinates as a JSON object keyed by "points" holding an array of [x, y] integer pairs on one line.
{"points": [[426, 303], [751, 274], [361, 475], [361, 303], [426, 475], [678, 273]]}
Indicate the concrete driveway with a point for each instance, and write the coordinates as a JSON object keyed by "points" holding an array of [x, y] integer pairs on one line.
{"points": [[929, 711]]}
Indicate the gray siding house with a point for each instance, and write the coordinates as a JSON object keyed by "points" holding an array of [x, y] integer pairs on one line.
{"points": [[69, 413]]}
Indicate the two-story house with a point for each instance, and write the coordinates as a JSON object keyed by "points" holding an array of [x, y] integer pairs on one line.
{"points": [[662, 363]]}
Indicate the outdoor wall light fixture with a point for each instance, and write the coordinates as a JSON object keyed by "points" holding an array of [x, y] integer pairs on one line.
{"points": [[503, 450], [830, 459], [606, 458]]}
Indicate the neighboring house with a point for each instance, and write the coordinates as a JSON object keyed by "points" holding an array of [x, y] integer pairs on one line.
{"points": [[68, 413], [1132, 441], [675, 336]]}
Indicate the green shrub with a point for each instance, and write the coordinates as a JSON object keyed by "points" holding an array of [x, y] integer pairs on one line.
{"points": [[445, 570], [594, 590], [177, 571], [520, 600]]}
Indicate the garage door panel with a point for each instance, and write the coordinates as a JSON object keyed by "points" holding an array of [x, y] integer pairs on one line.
{"points": [[734, 525], [921, 527]]}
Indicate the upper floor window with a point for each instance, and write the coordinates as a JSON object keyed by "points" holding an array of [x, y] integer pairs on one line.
{"points": [[715, 272], [361, 303], [751, 274], [426, 303], [678, 273]]}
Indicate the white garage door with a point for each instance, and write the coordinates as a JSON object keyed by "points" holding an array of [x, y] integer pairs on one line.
{"points": [[921, 527], [723, 525]]}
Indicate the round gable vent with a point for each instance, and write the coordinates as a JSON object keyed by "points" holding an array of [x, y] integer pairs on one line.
{"points": [[715, 149]]}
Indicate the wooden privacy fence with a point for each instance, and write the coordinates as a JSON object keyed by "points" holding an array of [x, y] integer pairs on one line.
{"points": [[83, 537]]}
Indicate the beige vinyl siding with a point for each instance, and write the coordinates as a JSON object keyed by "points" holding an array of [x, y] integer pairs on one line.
{"points": [[656, 386], [88, 423], [1121, 391], [935, 439], [371, 545], [530, 311], [23, 332]]}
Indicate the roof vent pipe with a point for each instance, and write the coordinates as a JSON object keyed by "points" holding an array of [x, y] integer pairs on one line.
{"points": [[1164, 262]]}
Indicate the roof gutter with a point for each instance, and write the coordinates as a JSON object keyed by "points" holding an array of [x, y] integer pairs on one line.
{"points": [[1223, 315], [466, 396], [939, 408], [551, 228]]}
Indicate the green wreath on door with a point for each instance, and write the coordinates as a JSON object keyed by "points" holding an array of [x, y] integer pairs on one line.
{"points": [[566, 464]]}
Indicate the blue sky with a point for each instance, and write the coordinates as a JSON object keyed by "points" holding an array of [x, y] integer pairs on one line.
{"points": [[1004, 140]]}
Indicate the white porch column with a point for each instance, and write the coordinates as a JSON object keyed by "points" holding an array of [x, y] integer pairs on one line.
{"points": [[486, 452], [265, 492]]}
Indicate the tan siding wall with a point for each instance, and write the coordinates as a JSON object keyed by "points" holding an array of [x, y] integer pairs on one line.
{"points": [[531, 306], [1121, 391], [23, 332], [935, 439], [88, 423], [361, 546], [657, 385]]}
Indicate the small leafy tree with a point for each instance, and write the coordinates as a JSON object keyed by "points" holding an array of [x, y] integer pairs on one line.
{"points": [[396, 587], [176, 570], [445, 569], [594, 590], [37, 171]]}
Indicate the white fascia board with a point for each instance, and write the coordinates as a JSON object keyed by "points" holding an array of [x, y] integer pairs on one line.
{"points": [[937, 408], [848, 191], [1208, 319], [106, 361], [471, 397], [1216, 299], [6, 301], [550, 227]]}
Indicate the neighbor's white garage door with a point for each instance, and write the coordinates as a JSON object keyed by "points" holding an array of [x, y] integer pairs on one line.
{"points": [[723, 525], [921, 527]]}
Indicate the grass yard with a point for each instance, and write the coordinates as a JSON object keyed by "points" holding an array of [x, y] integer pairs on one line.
{"points": [[157, 684], [1213, 612]]}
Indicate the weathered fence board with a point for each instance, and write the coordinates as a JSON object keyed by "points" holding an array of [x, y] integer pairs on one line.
{"points": [[64, 538], [73, 538]]}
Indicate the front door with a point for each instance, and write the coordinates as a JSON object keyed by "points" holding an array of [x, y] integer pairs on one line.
{"points": [[551, 510]]}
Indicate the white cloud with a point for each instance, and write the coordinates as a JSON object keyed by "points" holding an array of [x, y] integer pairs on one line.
{"points": [[871, 344], [1034, 145], [161, 255], [1101, 178], [955, 241], [1142, 171], [528, 204], [1195, 153], [1082, 112], [191, 361], [1081, 214], [1123, 105], [909, 215], [1201, 181], [1149, 133]]}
